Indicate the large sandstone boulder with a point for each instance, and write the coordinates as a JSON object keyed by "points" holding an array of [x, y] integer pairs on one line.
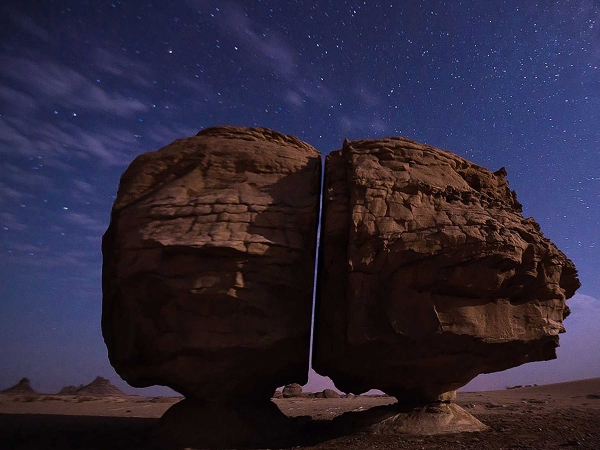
{"points": [[429, 274], [209, 263]]}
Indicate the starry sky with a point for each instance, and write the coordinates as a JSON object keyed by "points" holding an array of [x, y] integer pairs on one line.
{"points": [[85, 86]]}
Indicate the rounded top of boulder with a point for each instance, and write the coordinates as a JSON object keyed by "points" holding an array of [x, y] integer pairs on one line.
{"points": [[432, 170], [264, 151]]}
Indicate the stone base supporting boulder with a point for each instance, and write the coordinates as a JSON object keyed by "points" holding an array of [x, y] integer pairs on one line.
{"points": [[427, 420]]}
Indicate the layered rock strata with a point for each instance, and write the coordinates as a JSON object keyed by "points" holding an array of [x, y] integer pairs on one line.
{"points": [[209, 264], [429, 274]]}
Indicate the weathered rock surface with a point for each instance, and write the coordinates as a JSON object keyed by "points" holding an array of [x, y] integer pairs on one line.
{"points": [[22, 387], [209, 262], [429, 274]]}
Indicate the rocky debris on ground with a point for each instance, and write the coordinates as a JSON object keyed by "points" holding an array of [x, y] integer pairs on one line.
{"points": [[329, 393], [277, 394], [292, 390], [23, 387], [429, 274], [209, 262]]}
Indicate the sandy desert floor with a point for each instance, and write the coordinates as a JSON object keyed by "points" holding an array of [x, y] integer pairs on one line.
{"points": [[559, 416]]}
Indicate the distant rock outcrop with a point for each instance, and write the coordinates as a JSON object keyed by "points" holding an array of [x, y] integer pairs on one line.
{"points": [[429, 274], [70, 390], [327, 393], [100, 387], [22, 387]]}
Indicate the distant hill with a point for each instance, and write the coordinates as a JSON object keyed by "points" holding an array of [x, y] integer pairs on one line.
{"points": [[22, 387], [100, 387]]}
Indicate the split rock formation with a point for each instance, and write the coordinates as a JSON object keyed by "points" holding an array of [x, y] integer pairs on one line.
{"points": [[428, 276]]}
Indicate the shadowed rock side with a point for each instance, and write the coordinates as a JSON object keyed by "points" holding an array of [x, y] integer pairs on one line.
{"points": [[208, 265], [429, 274]]}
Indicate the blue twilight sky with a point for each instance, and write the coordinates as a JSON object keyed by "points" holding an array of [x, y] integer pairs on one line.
{"points": [[85, 86]]}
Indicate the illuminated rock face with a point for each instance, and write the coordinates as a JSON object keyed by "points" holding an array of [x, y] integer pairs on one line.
{"points": [[209, 264], [429, 274]]}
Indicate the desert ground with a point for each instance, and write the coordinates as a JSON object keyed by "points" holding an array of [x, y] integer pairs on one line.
{"points": [[556, 416]]}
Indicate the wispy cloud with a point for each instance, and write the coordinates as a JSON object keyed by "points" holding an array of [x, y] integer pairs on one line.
{"points": [[29, 26], [14, 141], [361, 124], [267, 50], [84, 187], [119, 65], [18, 99], [59, 85], [294, 98], [366, 95], [57, 143], [29, 179], [86, 221], [8, 193], [43, 257], [10, 222], [267, 44]]}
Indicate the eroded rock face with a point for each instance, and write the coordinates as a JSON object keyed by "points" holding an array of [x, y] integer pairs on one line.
{"points": [[429, 274], [208, 264]]}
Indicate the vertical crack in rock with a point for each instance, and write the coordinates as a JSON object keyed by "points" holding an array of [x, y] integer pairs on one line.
{"points": [[428, 275]]}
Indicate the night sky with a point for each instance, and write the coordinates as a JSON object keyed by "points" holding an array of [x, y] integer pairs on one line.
{"points": [[85, 86]]}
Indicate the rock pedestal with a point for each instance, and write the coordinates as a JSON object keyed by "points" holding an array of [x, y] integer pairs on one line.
{"points": [[429, 274], [397, 420], [197, 424]]}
